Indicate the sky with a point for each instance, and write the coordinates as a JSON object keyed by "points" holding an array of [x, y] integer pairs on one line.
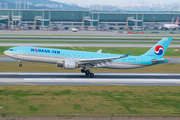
{"points": [[115, 2]]}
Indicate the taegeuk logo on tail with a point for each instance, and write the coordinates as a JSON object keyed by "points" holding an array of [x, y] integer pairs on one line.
{"points": [[159, 50]]}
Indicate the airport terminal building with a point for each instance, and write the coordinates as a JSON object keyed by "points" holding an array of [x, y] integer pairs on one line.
{"points": [[85, 19]]}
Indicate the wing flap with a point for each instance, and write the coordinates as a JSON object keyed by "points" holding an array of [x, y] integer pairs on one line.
{"points": [[101, 60]]}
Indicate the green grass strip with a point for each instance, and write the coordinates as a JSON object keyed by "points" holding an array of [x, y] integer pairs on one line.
{"points": [[81, 38], [80, 42], [92, 42], [121, 100]]}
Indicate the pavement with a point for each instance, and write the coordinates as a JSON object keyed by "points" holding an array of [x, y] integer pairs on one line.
{"points": [[94, 40], [112, 79], [59, 32], [82, 36]]}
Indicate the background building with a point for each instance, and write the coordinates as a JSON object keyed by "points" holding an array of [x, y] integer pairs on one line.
{"points": [[35, 19]]}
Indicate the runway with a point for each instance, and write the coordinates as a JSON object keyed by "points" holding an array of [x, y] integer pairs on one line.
{"points": [[8, 59], [112, 79], [81, 37], [84, 40]]}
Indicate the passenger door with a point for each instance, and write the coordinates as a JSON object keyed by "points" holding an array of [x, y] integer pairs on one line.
{"points": [[138, 61]]}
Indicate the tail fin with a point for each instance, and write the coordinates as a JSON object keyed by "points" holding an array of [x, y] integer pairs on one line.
{"points": [[177, 21], [159, 49]]}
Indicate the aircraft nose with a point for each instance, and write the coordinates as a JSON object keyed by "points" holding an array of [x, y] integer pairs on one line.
{"points": [[5, 52]]}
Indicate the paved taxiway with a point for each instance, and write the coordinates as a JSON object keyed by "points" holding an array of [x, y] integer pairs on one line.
{"points": [[141, 79], [85, 37], [83, 40], [8, 59]]}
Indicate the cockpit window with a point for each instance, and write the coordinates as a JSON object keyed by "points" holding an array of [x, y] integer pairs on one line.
{"points": [[10, 49]]}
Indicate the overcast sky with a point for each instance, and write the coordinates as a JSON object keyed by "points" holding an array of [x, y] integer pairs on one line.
{"points": [[115, 2]]}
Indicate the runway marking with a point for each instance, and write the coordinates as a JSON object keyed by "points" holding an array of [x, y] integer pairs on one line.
{"points": [[104, 80], [78, 47], [81, 47], [108, 84], [73, 48], [104, 74], [20, 83]]}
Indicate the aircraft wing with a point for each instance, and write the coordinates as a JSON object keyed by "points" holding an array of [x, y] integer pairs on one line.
{"points": [[100, 61]]}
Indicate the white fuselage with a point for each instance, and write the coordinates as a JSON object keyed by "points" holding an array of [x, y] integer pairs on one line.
{"points": [[59, 61], [170, 26]]}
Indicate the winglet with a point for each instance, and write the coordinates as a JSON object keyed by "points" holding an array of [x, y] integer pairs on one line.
{"points": [[126, 55]]}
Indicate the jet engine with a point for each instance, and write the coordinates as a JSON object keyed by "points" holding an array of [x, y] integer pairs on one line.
{"points": [[70, 65]]}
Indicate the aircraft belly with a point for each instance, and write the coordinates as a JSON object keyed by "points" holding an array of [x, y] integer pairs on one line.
{"points": [[37, 58], [122, 65]]}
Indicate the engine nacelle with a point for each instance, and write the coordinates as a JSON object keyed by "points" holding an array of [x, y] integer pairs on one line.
{"points": [[60, 65], [70, 65]]}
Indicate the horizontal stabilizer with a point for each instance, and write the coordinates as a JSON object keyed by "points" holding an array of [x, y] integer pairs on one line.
{"points": [[154, 61]]}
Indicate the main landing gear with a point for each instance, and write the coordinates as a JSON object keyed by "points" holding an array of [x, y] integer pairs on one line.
{"points": [[20, 65], [87, 72]]}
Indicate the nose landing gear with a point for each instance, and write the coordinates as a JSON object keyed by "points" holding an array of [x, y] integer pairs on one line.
{"points": [[20, 65]]}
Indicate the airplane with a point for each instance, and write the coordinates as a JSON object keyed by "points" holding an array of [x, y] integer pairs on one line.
{"points": [[70, 59], [170, 26]]}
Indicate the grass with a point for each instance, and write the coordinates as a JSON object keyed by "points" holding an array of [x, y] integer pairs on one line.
{"points": [[82, 42], [45, 67], [79, 42], [90, 100], [112, 50]]}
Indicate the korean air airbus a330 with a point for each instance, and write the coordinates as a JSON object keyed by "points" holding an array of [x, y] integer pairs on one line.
{"points": [[70, 59]]}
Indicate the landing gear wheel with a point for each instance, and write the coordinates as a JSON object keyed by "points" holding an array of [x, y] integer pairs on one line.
{"points": [[83, 70], [87, 72], [20, 65], [91, 74]]}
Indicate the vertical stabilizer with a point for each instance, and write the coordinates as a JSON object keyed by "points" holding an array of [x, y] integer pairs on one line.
{"points": [[159, 49], [177, 20]]}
